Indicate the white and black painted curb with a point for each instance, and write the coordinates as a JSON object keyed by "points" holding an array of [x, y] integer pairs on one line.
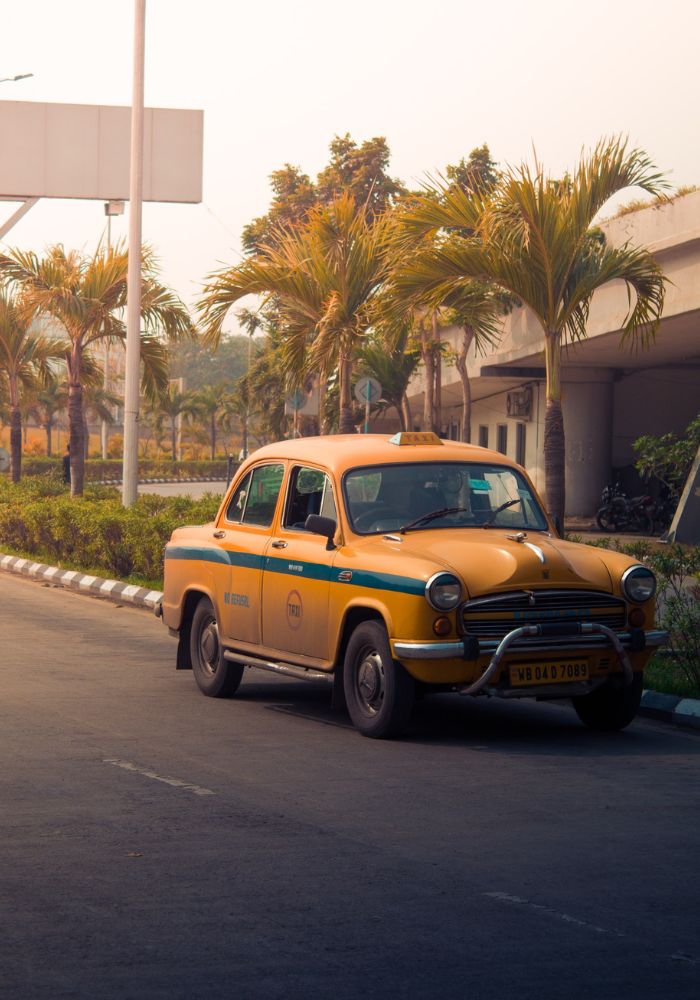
{"points": [[671, 708], [95, 586], [665, 707]]}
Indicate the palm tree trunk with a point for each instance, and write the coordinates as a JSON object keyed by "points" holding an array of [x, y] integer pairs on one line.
{"points": [[346, 423], [213, 436], [86, 437], [173, 437], [461, 366], [16, 444], [429, 369], [77, 437], [554, 442], [48, 427], [406, 412], [437, 374]]}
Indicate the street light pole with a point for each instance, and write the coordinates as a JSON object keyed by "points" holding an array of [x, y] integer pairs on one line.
{"points": [[111, 208], [133, 294]]}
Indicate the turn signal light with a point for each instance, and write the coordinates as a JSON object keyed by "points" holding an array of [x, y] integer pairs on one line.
{"points": [[637, 618], [442, 626]]}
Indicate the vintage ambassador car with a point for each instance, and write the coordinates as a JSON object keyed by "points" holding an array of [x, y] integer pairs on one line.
{"points": [[388, 566]]}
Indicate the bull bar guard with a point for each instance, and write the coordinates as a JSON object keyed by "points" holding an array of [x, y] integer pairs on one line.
{"points": [[458, 650]]}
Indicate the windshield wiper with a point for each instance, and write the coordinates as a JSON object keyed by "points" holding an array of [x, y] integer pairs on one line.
{"points": [[430, 516], [497, 511]]}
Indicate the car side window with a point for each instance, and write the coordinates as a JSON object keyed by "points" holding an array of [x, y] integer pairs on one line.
{"points": [[310, 492], [255, 498]]}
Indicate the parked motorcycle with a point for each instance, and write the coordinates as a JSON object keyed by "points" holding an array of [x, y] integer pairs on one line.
{"points": [[618, 512]]}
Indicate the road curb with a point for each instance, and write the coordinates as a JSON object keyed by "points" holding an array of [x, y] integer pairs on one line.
{"points": [[655, 705], [85, 583], [671, 708]]}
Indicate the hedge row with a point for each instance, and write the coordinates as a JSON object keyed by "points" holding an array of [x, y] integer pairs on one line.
{"points": [[94, 532], [96, 469]]}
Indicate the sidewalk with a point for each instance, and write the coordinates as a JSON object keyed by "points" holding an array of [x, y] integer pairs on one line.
{"points": [[665, 707]]}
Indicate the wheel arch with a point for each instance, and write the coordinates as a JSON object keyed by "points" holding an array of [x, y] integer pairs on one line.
{"points": [[191, 599]]}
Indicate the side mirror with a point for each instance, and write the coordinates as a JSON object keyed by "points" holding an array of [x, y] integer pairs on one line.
{"points": [[325, 526]]}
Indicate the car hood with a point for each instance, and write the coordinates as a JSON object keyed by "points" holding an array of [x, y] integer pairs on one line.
{"points": [[488, 560]]}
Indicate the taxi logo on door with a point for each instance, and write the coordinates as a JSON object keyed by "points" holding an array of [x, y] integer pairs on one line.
{"points": [[295, 610]]}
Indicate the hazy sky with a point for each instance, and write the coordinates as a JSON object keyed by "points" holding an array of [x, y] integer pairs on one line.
{"points": [[277, 80]]}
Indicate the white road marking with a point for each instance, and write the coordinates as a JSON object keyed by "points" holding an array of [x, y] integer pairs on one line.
{"points": [[147, 773], [504, 897]]}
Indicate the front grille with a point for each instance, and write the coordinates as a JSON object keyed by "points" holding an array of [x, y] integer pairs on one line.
{"points": [[494, 616]]}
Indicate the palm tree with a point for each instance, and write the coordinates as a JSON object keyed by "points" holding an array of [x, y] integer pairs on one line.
{"points": [[209, 405], [173, 405], [534, 238], [51, 399], [250, 321], [85, 295], [25, 358], [392, 366], [324, 276]]}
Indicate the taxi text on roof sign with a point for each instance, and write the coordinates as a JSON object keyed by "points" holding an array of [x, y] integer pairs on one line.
{"points": [[415, 437]]}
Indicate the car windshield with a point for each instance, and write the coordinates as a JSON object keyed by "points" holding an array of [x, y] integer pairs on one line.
{"points": [[423, 495]]}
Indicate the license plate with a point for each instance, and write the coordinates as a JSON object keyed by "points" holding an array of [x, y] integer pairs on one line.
{"points": [[522, 674]]}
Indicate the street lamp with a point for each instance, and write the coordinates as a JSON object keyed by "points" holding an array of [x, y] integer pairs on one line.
{"points": [[11, 79], [112, 208]]}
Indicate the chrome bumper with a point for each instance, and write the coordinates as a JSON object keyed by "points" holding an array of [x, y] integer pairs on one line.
{"points": [[457, 650]]}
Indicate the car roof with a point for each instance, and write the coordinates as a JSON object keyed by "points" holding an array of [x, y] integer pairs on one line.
{"points": [[340, 452]]}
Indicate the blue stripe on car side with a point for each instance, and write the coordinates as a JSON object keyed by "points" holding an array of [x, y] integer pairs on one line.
{"points": [[303, 570]]}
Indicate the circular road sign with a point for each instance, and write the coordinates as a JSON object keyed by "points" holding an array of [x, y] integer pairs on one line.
{"points": [[368, 390], [296, 400]]}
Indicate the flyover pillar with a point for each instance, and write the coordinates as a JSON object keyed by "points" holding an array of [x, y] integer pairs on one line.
{"points": [[587, 402]]}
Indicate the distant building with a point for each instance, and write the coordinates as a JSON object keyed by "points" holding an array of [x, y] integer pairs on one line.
{"points": [[610, 395]]}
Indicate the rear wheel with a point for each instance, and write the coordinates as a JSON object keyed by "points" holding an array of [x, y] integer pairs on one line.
{"points": [[611, 706], [611, 517], [379, 693], [214, 675]]}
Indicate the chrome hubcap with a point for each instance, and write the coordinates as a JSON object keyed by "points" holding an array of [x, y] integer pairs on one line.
{"points": [[371, 681], [209, 647]]}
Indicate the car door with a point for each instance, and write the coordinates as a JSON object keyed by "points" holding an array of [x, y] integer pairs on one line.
{"points": [[296, 577], [244, 533]]}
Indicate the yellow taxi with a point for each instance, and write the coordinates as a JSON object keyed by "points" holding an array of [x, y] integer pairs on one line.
{"points": [[388, 566]]}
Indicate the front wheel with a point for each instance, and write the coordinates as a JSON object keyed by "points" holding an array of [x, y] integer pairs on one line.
{"points": [[215, 677], [610, 707], [611, 517], [378, 691]]}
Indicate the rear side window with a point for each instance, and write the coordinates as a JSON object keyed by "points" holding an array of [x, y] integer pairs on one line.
{"points": [[255, 498]]}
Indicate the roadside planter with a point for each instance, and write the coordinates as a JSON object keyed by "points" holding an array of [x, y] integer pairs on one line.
{"points": [[385, 566]]}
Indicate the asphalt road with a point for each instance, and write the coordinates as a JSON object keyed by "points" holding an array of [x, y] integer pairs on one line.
{"points": [[193, 490], [159, 844]]}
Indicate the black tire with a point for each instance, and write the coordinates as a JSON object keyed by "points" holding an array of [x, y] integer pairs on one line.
{"points": [[611, 706], [215, 676], [379, 693]]}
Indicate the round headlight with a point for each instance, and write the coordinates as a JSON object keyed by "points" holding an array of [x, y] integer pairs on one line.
{"points": [[638, 584], [443, 591]]}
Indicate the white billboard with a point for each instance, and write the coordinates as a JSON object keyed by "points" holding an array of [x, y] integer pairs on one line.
{"points": [[82, 151]]}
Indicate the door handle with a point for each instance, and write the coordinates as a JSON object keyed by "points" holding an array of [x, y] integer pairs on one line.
{"points": [[219, 534], [279, 545]]}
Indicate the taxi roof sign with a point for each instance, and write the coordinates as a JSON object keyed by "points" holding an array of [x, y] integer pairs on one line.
{"points": [[415, 437]]}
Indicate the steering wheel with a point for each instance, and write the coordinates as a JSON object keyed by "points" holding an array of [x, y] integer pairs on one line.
{"points": [[368, 518]]}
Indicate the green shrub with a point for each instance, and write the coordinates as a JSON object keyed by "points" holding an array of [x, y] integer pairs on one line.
{"points": [[94, 532], [677, 570]]}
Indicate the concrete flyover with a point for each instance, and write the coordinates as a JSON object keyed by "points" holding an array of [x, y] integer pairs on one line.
{"points": [[611, 394]]}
